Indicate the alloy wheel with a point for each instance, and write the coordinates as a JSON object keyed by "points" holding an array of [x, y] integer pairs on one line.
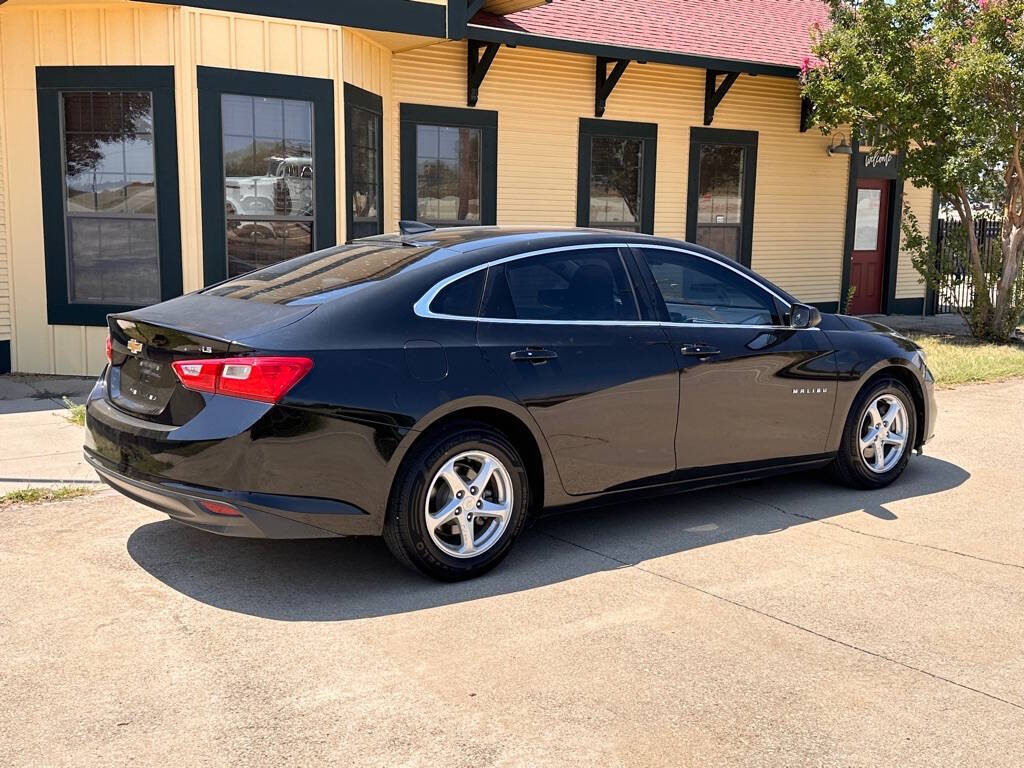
{"points": [[884, 432], [469, 504]]}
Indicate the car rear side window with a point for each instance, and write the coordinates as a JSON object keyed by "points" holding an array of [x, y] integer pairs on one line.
{"points": [[698, 290], [319, 276], [461, 298], [571, 285]]}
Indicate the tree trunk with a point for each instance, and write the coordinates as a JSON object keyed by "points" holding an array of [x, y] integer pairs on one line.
{"points": [[1013, 245], [981, 311]]}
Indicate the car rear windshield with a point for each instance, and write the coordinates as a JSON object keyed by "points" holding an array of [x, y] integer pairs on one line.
{"points": [[321, 275]]}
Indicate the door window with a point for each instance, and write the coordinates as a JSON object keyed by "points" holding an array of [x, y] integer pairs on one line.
{"points": [[566, 286], [697, 290], [869, 207]]}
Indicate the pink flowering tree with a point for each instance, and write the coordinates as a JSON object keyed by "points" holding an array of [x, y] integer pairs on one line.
{"points": [[941, 81]]}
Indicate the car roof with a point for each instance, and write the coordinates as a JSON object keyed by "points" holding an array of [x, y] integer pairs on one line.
{"points": [[466, 247], [467, 239]]}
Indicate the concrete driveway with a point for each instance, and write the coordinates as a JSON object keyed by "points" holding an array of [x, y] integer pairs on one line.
{"points": [[778, 623]]}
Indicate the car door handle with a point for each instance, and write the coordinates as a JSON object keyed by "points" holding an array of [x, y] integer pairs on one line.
{"points": [[533, 355], [699, 350]]}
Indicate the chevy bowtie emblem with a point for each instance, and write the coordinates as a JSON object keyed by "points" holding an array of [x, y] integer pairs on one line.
{"points": [[134, 346]]}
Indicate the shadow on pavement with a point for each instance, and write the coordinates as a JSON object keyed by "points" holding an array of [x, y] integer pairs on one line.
{"points": [[343, 579], [24, 393]]}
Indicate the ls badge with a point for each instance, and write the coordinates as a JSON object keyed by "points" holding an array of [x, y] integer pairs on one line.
{"points": [[134, 346]]}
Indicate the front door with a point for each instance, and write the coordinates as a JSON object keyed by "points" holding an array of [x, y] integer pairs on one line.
{"points": [[751, 389], [870, 235], [563, 330]]}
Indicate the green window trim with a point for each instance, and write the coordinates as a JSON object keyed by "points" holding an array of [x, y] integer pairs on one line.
{"points": [[51, 82], [716, 136], [213, 83], [357, 98], [647, 133], [413, 115]]}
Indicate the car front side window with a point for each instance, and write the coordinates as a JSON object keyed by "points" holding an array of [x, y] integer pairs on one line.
{"points": [[698, 290], [584, 285]]}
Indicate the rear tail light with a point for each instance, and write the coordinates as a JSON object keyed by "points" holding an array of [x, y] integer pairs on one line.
{"points": [[266, 379], [110, 351]]}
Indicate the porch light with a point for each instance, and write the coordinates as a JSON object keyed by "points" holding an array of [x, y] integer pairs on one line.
{"points": [[842, 148]]}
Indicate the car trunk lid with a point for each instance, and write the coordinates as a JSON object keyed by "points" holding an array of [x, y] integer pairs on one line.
{"points": [[145, 343]]}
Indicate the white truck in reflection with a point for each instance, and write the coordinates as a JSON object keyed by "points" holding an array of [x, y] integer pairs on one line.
{"points": [[286, 189]]}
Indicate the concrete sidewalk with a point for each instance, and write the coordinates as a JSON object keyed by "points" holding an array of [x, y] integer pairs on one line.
{"points": [[38, 446]]}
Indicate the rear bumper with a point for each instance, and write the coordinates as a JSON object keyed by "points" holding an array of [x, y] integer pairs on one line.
{"points": [[314, 472], [260, 516]]}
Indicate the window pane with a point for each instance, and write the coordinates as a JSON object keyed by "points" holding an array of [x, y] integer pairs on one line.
{"points": [[720, 198], [722, 238], [113, 261], [461, 298], [109, 168], [257, 244], [697, 290], [364, 140], [268, 164], [616, 170], [869, 203], [720, 187], [314, 277], [298, 122], [236, 114], [448, 175], [573, 285]]}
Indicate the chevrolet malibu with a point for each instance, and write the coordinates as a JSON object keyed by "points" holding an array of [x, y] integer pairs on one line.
{"points": [[439, 388]]}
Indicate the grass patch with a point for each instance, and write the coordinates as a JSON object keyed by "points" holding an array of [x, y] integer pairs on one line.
{"points": [[956, 360], [42, 495], [75, 414]]}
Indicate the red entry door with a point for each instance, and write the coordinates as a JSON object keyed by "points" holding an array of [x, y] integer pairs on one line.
{"points": [[872, 227]]}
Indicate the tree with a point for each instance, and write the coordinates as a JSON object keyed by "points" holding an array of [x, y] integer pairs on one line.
{"points": [[942, 82]]}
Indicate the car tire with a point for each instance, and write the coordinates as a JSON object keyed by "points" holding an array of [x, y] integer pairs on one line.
{"points": [[424, 486], [857, 464]]}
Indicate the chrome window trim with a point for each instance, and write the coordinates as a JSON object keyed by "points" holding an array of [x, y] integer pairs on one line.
{"points": [[719, 262], [422, 307]]}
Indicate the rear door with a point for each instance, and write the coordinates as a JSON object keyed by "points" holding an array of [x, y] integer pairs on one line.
{"points": [[564, 329], [751, 388]]}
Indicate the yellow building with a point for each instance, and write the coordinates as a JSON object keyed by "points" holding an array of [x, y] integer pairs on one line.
{"points": [[151, 148]]}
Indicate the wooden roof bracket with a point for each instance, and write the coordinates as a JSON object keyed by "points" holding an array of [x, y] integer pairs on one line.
{"points": [[714, 93]]}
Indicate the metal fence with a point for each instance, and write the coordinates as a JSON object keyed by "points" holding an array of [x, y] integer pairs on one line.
{"points": [[955, 261]]}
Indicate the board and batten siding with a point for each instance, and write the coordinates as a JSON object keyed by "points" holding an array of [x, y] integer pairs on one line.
{"points": [[120, 33], [6, 311], [909, 283], [800, 203]]}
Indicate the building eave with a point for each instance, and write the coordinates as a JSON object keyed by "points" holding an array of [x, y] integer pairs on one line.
{"points": [[426, 19], [510, 37]]}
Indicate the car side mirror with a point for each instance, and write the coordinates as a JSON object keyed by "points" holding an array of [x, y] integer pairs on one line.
{"points": [[804, 316]]}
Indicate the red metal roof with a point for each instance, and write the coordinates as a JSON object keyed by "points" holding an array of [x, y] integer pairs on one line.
{"points": [[774, 32]]}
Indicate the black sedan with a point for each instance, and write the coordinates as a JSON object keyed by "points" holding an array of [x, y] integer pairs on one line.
{"points": [[440, 387]]}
